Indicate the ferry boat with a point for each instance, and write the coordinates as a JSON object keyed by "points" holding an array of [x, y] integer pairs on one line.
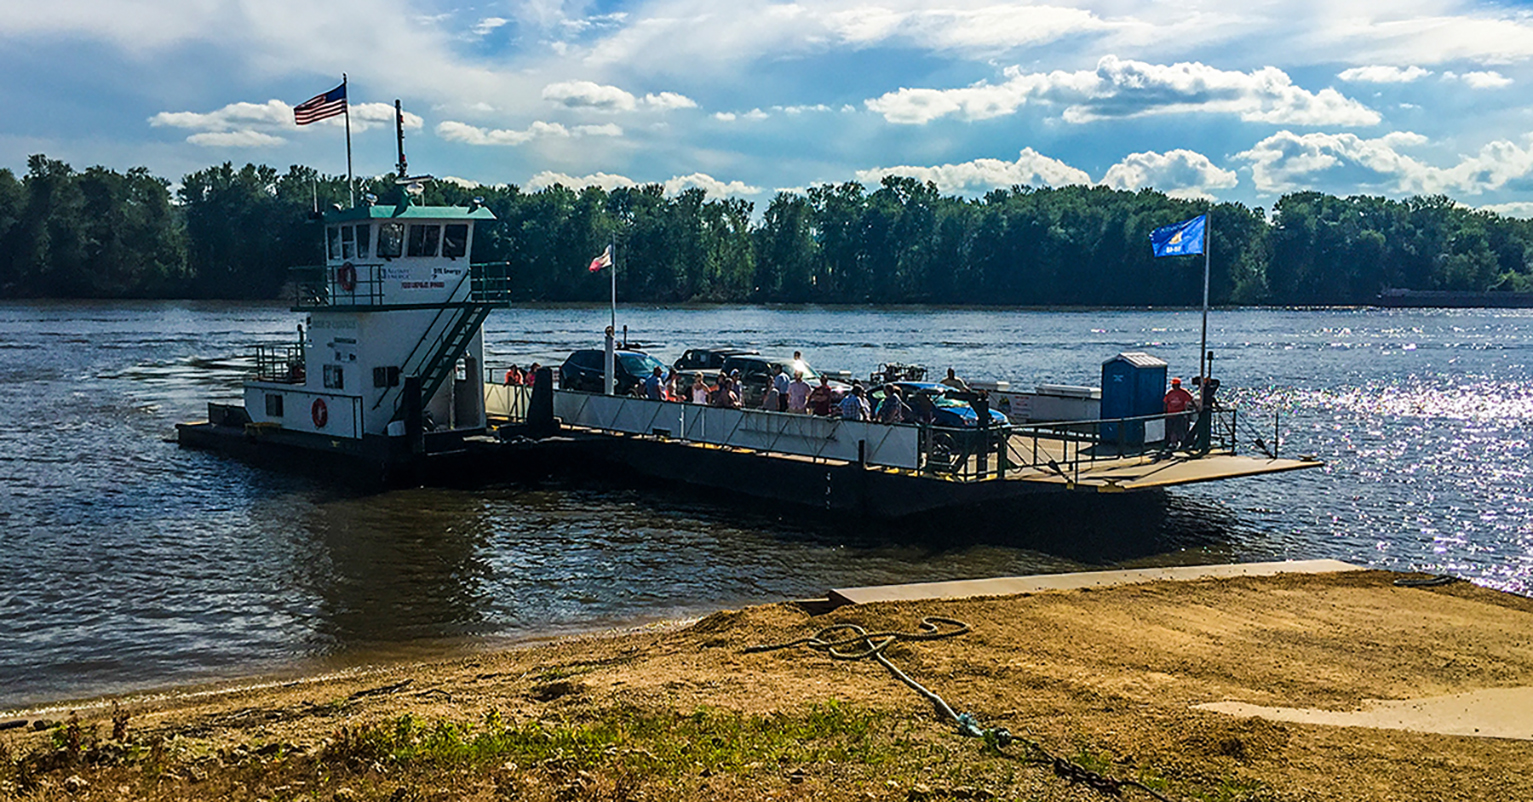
{"points": [[387, 371]]}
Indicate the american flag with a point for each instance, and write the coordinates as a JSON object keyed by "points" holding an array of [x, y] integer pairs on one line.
{"points": [[320, 107]]}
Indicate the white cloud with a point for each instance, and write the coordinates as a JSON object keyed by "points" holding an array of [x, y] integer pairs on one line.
{"points": [[489, 24], [1287, 161], [244, 125], [673, 186], [1384, 74], [982, 175], [730, 116], [606, 181], [1483, 79], [709, 184], [454, 131], [669, 100], [1120, 88], [1520, 209], [272, 113], [1178, 173], [235, 139], [599, 97], [589, 95]]}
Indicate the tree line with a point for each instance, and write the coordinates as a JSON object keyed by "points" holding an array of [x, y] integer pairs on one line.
{"points": [[230, 232]]}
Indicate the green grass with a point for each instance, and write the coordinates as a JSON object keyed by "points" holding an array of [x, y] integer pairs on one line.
{"points": [[649, 743]]}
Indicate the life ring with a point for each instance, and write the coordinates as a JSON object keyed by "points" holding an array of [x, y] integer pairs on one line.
{"points": [[346, 276], [320, 413]]}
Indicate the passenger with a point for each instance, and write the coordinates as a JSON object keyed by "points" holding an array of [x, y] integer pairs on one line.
{"points": [[924, 409], [954, 382], [820, 397], [654, 385], [699, 390], [798, 394], [531, 376], [514, 375], [798, 363], [780, 384], [769, 400], [855, 405], [726, 397], [1177, 402], [892, 409]]}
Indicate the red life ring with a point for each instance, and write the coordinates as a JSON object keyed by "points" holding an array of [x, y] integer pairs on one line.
{"points": [[320, 413], [346, 276]]}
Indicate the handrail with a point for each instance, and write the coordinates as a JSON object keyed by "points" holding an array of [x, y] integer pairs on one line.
{"points": [[405, 364]]}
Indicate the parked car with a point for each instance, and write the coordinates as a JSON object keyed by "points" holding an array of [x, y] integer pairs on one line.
{"points": [[757, 371], [707, 359], [586, 370], [947, 408]]}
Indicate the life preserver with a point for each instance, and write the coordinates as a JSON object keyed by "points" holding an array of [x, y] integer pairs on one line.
{"points": [[346, 276], [320, 413]]}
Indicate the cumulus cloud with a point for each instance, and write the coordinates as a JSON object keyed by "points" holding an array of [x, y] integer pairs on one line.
{"points": [[730, 116], [1384, 74], [1178, 173], [1482, 79], [713, 186], [235, 139], [674, 186], [1287, 161], [589, 95], [669, 100], [489, 24], [1120, 88], [1520, 209], [454, 131], [600, 97], [982, 175], [258, 124], [234, 115]]}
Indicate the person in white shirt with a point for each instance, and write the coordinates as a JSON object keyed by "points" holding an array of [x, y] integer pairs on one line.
{"points": [[798, 394]]}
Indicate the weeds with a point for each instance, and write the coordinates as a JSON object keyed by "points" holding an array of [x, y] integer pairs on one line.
{"points": [[656, 744]]}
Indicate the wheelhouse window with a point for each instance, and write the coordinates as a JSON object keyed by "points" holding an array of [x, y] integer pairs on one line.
{"points": [[454, 240], [423, 240], [348, 243], [364, 239], [333, 236], [391, 240]]}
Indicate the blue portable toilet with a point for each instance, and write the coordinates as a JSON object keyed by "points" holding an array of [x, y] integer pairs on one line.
{"points": [[1133, 384]]}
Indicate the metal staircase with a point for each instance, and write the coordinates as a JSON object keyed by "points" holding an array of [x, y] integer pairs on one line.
{"points": [[436, 355]]}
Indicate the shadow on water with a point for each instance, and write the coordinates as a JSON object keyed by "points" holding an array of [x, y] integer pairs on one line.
{"points": [[1092, 529]]}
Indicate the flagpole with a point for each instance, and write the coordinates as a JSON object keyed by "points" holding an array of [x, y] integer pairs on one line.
{"points": [[351, 187], [612, 249], [1208, 243]]}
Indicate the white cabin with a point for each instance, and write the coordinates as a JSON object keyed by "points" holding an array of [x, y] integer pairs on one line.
{"points": [[397, 298]]}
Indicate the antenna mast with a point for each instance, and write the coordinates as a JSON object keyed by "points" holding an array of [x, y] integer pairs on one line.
{"points": [[399, 132]]}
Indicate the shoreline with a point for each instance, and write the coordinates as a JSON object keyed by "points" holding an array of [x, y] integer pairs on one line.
{"points": [[1110, 679]]}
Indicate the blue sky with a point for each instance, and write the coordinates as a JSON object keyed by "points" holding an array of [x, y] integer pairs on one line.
{"points": [[1233, 101]]}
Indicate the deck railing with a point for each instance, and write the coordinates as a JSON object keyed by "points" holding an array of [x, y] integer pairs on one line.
{"points": [[1064, 448]]}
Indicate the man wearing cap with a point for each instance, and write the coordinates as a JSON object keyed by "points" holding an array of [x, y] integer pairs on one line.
{"points": [[1177, 402]]}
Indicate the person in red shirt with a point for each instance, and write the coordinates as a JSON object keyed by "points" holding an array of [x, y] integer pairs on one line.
{"points": [[1178, 405]]}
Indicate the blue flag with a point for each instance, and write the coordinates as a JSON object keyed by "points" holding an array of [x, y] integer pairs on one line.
{"points": [[1183, 239]]}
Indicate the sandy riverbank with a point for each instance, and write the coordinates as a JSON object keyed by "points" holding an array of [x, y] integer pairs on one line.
{"points": [[1108, 678]]}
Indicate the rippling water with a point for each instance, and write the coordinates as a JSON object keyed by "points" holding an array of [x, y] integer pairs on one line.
{"points": [[127, 563]]}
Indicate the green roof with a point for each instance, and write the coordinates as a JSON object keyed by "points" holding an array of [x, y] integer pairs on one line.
{"points": [[386, 212]]}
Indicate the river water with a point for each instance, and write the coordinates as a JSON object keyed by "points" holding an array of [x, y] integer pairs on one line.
{"points": [[129, 564]]}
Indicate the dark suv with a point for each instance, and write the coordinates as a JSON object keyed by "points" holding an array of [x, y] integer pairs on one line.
{"points": [[707, 359], [586, 370]]}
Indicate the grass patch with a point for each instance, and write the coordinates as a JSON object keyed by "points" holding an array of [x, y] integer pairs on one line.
{"points": [[648, 743]]}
